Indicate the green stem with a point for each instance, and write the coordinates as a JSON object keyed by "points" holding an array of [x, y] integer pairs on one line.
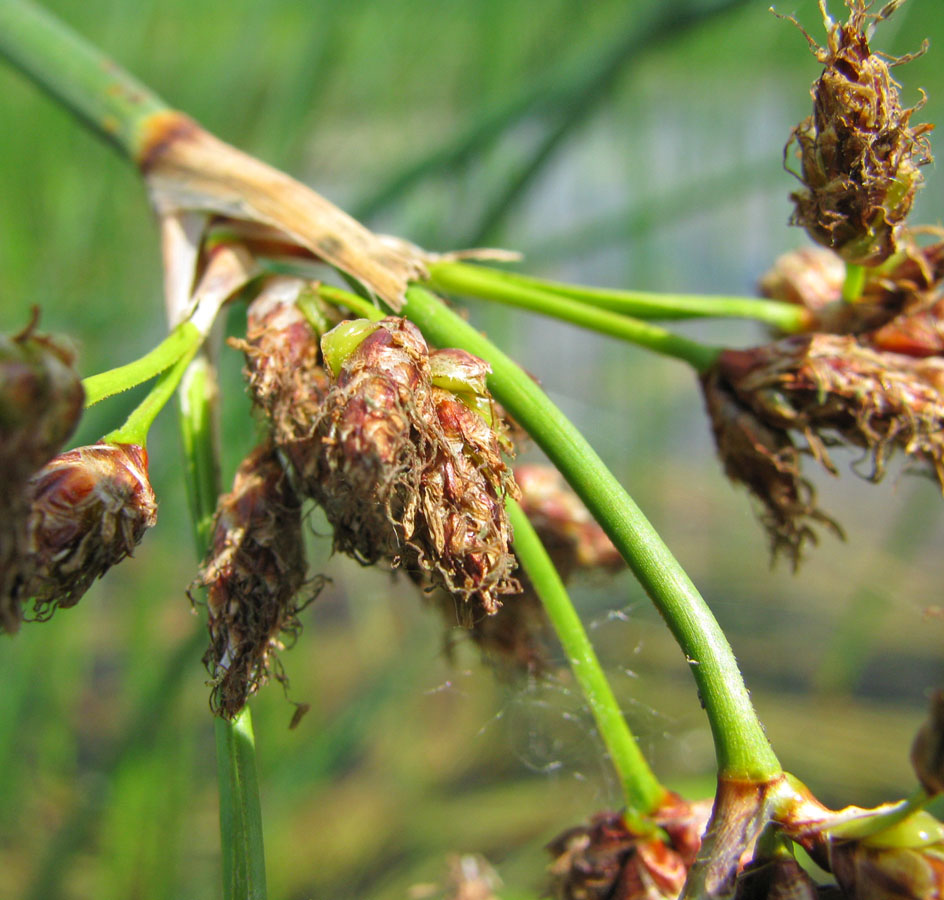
{"points": [[641, 789], [740, 744], [340, 297], [243, 850], [77, 74], [477, 281], [105, 384], [854, 283], [787, 317], [240, 812], [137, 425]]}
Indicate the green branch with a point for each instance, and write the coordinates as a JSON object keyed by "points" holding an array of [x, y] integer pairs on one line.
{"points": [[183, 339], [641, 789], [77, 74], [488, 284], [740, 744], [522, 290]]}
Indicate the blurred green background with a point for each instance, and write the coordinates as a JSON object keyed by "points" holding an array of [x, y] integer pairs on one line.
{"points": [[618, 143]]}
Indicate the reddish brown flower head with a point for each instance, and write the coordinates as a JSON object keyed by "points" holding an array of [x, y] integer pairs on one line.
{"points": [[765, 459], [253, 575], [606, 861], [859, 156], [408, 471], [90, 508], [40, 403], [825, 389]]}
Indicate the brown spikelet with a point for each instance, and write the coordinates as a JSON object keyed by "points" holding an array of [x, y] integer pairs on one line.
{"points": [[411, 473], [89, 509], [765, 459], [515, 640], [824, 389], [283, 361], [859, 154], [253, 576], [40, 404], [605, 860]]}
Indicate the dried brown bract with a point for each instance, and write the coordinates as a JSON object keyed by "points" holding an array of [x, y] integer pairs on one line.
{"points": [[89, 509], [411, 472], [40, 404], [605, 860], [859, 155], [254, 575], [826, 389]]}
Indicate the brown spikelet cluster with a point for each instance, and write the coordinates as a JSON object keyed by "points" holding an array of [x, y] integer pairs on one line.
{"points": [[40, 404], [605, 860], [859, 155], [823, 389], [410, 472], [89, 509], [253, 575]]}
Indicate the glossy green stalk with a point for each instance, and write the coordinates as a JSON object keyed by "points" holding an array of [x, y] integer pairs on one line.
{"points": [[477, 281], [641, 789], [854, 282], [183, 339], [137, 425], [244, 876], [243, 851], [77, 74], [741, 747], [523, 290]]}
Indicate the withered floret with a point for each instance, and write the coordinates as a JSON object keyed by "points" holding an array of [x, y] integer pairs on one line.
{"points": [[825, 389], [89, 509], [254, 576], [40, 404], [859, 155]]}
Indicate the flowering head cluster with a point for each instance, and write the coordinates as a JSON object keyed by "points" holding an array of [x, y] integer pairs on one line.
{"points": [[89, 509], [825, 389], [407, 465], [859, 155], [253, 576]]}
